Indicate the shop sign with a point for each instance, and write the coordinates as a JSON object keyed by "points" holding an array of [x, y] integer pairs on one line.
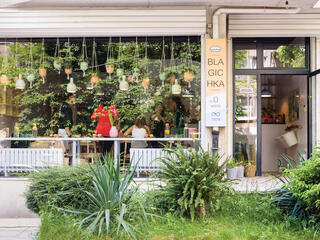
{"points": [[216, 79]]}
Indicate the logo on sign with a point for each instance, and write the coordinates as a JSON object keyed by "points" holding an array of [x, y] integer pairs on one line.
{"points": [[215, 49]]}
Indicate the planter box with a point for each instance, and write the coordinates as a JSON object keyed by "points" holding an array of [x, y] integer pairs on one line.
{"points": [[240, 171], [250, 171], [232, 173]]}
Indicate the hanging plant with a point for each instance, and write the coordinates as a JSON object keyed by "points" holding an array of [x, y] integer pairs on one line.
{"points": [[68, 60], [123, 84], [176, 88], [110, 60], [162, 74], [136, 70], [145, 63], [94, 78], [57, 60], [120, 70], [83, 63], [172, 71], [31, 72], [188, 74], [43, 63], [71, 87]]}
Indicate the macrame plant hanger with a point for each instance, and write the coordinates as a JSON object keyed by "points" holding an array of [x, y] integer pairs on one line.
{"points": [[110, 60], [84, 57], [162, 74], [146, 79], [94, 63], [4, 79], [57, 55], [189, 60], [172, 64], [136, 70], [42, 69], [30, 76]]}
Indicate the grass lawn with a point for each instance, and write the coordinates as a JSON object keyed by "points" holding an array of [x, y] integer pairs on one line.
{"points": [[237, 216]]}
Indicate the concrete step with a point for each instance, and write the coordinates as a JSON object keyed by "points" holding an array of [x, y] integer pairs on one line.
{"points": [[19, 228]]}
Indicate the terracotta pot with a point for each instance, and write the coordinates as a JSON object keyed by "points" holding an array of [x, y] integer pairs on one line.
{"points": [[4, 79], [94, 78], [146, 82], [68, 71], [250, 171], [113, 132], [188, 76], [173, 78], [110, 69], [131, 78], [15, 79], [42, 72]]}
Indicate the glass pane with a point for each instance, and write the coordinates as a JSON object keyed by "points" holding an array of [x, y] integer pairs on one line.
{"points": [[246, 118], [285, 53], [245, 55]]}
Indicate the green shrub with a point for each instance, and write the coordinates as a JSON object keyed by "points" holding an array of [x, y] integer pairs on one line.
{"points": [[193, 179], [58, 187], [305, 183], [112, 204]]}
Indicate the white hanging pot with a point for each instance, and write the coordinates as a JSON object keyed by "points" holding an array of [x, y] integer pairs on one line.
{"points": [[120, 72], [57, 65], [83, 67], [176, 88], [123, 85], [90, 86], [71, 87], [20, 84]]}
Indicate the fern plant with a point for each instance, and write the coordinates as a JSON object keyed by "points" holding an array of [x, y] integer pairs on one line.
{"points": [[193, 179]]}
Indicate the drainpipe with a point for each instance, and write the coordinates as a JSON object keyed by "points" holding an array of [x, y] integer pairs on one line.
{"points": [[249, 10]]}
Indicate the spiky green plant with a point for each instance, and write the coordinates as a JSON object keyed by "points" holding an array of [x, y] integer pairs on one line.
{"points": [[111, 206], [193, 179]]}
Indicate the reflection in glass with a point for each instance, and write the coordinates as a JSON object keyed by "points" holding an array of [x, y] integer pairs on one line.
{"points": [[245, 55], [246, 118], [287, 53]]}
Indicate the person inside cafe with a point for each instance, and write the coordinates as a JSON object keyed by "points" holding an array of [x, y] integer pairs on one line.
{"points": [[158, 124], [138, 130]]}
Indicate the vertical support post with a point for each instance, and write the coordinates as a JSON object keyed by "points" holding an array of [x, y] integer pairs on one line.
{"points": [[74, 152], [78, 152], [116, 151]]}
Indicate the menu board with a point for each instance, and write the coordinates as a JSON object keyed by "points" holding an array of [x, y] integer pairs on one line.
{"points": [[216, 79]]}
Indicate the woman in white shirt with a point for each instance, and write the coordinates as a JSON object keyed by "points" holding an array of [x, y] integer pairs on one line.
{"points": [[138, 130]]}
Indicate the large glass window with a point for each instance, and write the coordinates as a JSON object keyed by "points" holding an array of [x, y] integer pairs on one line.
{"points": [[284, 53], [245, 55], [141, 77]]}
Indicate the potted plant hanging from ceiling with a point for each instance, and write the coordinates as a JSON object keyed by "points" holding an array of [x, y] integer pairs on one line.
{"points": [[43, 63], [31, 73], [136, 70], [120, 70], [110, 60], [17, 70], [188, 73], [162, 74], [123, 84], [57, 62], [4, 78], [146, 78], [83, 63], [95, 73], [176, 87], [68, 60]]}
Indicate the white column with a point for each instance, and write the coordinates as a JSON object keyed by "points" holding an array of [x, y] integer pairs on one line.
{"points": [[316, 91]]}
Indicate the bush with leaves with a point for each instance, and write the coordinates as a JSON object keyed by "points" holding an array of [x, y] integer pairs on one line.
{"points": [[193, 179], [58, 187], [112, 204]]}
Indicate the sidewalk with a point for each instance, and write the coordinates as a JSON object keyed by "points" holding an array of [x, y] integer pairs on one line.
{"points": [[19, 228]]}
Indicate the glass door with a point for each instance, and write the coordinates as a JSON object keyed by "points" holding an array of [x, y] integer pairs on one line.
{"points": [[246, 118]]}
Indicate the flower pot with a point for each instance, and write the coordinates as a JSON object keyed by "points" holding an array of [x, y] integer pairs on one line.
{"points": [[57, 65], [123, 85], [250, 171], [232, 173], [94, 78], [136, 70], [4, 80], [173, 78], [131, 78], [110, 69], [146, 82], [30, 78], [188, 76], [113, 132], [162, 76], [240, 171], [84, 67], [42, 72], [68, 71], [176, 88], [288, 139], [120, 72]]}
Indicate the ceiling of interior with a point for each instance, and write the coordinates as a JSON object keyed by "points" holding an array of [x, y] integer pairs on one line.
{"points": [[305, 5]]}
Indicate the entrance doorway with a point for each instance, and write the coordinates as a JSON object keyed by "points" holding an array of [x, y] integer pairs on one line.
{"points": [[271, 101]]}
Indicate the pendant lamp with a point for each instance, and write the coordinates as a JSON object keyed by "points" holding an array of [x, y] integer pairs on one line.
{"points": [[20, 84], [71, 87], [265, 93]]}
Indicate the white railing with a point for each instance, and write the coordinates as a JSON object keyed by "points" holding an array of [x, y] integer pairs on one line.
{"points": [[29, 159]]}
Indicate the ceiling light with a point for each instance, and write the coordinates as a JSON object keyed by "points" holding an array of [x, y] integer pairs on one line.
{"points": [[266, 93]]}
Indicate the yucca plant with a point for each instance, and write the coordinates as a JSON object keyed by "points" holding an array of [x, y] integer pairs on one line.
{"points": [[193, 179], [111, 206]]}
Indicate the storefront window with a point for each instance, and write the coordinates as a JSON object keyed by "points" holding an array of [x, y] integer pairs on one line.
{"points": [[285, 53], [246, 117], [245, 55], [151, 79]]}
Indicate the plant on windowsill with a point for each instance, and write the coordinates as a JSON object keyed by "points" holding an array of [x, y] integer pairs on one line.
{"points": [[250, 169]]}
